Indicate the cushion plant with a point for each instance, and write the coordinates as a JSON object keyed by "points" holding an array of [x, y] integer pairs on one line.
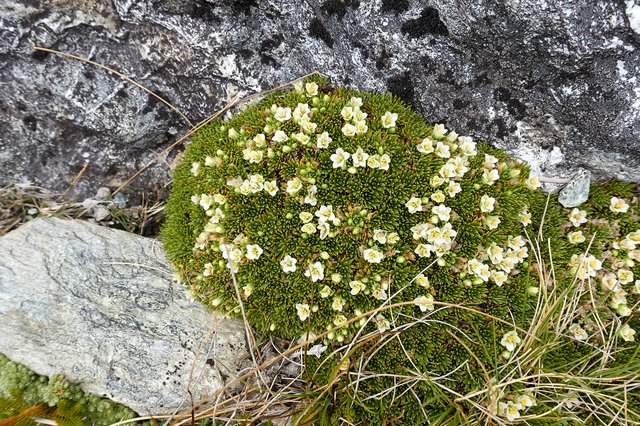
{"points": [[438, 274]]}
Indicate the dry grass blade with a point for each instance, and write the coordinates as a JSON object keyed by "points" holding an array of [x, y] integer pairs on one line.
{"points": [[119, 74]]}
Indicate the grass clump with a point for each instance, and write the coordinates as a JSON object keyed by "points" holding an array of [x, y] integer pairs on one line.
{"points": [[413, 257]]}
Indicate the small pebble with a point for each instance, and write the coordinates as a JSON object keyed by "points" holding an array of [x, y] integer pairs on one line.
{"points": [[103, 193]]}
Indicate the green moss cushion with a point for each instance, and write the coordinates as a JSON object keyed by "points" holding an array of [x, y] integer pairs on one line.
{"points": [[326, 203]]}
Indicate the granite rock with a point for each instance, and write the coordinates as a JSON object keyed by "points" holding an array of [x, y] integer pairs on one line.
{"points": [[555, 83], [100, 307]]}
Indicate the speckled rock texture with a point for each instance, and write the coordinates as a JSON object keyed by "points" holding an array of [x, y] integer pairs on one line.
{"points": [[554, 82], [100, 307]]}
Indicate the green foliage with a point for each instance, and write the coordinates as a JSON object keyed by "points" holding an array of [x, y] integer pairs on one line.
{"points": [[417, 221], [25, 395]]}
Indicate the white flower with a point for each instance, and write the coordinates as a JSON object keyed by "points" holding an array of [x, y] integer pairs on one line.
{"points": [[385, 161], [293, 186], [288, 264], [510, 410], [448, 170], [339, 158], [510, 340], [378, 292], [373, 256], [211, 162], [302, 138], [436, 181], [636, 287], [442, 150], [247, 289], [460, 166], [623, 310], [315, 272], [467, 147], [439, 131], [483, 272], [360, 158], [310, 198], [438, 197], [610, 282], [532, 182], [490, 176], [578, 332], [499, 277], [280, 136], [393, 238], [426, 146], [492, 222], [308, 228], [325, 292], [195, 169], [282, 114], [625, 276], [389, 120], [453, 188], [307, 125], [305, 217], [373, 161], [487, 203], [298, 85], [525, 218], [271, 187], [300, 111], [452, 136], [324, 229], [259, 140], [323, 140], [339, 320], [303, 311], [380, 236], [254, 251], [577, 217], [311, 88], [626, 333], [576, 237], [414, 205], [219, 198], [325, 213], [382, 323], [361, 127], [618, 205], [423, 250], [422, 281], [349, 129], [355, 102], [208, 270], [347, 112], [338, 304], [490, 161], [443, 212], [205, 201], [526, 400], [424, 302], [356, 287]]}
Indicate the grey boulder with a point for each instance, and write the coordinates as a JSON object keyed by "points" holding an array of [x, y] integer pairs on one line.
{"points": [[100, 307], [556, 83]]}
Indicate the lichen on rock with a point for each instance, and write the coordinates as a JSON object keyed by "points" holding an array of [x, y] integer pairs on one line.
{"points": [[319, 205]]}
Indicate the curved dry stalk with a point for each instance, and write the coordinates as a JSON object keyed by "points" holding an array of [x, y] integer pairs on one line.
{"points": [[119, 74]]}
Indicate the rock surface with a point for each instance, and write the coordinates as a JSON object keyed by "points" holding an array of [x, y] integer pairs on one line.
{"points": [[556, 83], [100, 307]]}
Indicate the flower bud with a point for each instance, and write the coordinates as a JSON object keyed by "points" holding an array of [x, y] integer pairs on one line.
{"points": [[533, 291]]}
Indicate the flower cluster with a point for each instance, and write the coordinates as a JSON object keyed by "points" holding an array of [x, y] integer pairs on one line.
{"points": [[324, 204]]}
